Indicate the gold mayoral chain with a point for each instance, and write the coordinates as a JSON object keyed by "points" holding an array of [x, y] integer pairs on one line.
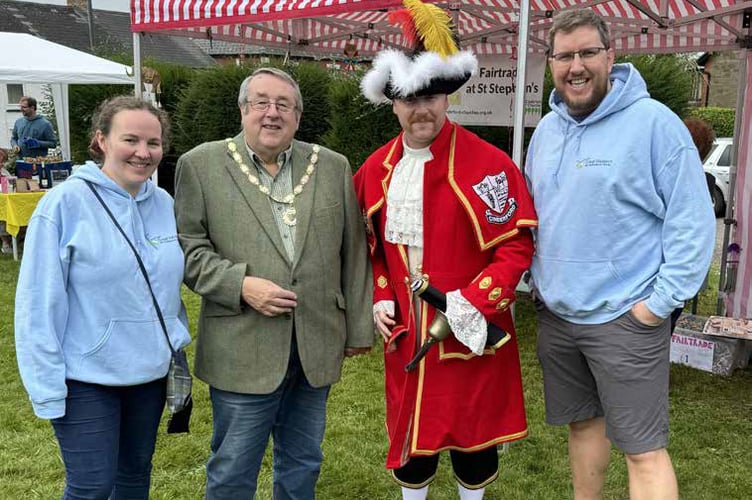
{"points": [[290, 215]]}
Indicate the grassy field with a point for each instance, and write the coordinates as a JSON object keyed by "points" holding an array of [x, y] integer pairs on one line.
{"points": [[711, 434]]}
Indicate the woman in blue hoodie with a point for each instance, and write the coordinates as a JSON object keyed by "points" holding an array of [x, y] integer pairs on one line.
{"points": [[90, 349]]}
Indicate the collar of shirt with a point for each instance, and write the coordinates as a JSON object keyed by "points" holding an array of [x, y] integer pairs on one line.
{"points": [[283, 159]]}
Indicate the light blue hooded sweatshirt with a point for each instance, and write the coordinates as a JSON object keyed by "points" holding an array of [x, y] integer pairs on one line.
{"points": [[623, 207], [83, 309]]}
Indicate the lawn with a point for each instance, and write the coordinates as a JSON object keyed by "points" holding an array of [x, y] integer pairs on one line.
{"points": [[711, 434]]}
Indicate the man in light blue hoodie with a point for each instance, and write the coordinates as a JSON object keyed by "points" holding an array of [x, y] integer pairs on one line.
{"points": [[626, 232]]}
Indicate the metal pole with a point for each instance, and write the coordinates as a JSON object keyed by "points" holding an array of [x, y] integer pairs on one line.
{"points": [[519, 94], [729, 219], [137, 64], [91, 25]]}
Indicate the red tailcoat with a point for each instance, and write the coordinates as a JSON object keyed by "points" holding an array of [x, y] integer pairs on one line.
{"points": [[475, 210]]}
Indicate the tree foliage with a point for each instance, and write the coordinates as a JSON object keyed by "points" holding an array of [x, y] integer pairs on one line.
{"points": [[669, 78], [208, 106], [720, 119], [84, 99], [314, 81], [356, 127]]}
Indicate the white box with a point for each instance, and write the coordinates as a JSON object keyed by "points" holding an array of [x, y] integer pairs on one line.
{"points": [[719, 355]]}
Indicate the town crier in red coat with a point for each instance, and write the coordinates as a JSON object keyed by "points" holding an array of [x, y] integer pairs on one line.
{"points": [[444, 206]]}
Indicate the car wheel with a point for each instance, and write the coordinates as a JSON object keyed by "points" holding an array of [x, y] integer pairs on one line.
{"points": [[719, 205]]}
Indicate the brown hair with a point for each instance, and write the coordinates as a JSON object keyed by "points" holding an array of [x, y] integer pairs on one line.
{"points": [[30, 101], [566, 21], [702, 135], [102, 119]]}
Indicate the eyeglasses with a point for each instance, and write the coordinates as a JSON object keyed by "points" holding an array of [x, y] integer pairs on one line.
{"points": [[585, 54], [263, 105]]}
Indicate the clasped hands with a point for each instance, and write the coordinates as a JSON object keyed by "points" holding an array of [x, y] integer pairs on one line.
{"points": [[272, 300]]}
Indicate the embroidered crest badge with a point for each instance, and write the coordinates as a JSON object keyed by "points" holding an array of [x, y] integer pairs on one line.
{"points": [[494, 191]]}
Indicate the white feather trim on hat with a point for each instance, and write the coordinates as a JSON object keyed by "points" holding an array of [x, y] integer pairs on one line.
{"points": [[408, 76]]}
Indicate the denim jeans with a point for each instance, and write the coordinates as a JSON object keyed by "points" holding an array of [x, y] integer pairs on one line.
{"points": [[107, 439], [294, 415]]}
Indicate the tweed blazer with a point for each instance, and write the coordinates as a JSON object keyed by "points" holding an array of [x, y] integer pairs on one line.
{"points": [[227, 231]]}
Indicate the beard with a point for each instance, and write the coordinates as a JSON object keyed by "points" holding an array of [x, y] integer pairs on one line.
{"points": [[583, 105]]}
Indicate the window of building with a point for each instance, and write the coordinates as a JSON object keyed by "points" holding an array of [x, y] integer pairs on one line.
{"points": [[15, 93]]}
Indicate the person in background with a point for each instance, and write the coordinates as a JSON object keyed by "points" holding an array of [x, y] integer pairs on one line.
{"points": [[274, 245], [4, 236], [444, 206], [702, 137], [625, 235], [91, 352], [32, 133]]}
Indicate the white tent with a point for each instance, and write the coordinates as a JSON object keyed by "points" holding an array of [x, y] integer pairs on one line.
{"points": [[28, 59]]}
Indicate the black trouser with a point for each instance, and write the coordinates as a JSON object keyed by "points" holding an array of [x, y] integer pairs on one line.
{"points": [[473, 470]]}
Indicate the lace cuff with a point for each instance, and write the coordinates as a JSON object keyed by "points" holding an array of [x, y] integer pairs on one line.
{"points": [[467, 323], [383, 305]]}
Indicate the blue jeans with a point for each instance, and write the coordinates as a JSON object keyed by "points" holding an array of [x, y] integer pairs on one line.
{"points": [[107, 439], [294, 415]]}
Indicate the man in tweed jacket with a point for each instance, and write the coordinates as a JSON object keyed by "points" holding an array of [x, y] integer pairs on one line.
{"points": [[274, 244]]}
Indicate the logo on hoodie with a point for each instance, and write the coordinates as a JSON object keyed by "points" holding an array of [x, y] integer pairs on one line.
{"points": [[593, 162], [494, 191], [155, 241]]}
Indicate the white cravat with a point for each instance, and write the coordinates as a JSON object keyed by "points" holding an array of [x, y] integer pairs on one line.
{"points": [[404, 225], [404, 212]]}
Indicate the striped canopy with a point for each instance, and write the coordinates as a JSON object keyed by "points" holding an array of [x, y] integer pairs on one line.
{"points": [[339, 28], [329, 27]]}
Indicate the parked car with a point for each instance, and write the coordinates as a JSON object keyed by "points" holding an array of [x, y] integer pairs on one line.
{"points": [[717, 164]]}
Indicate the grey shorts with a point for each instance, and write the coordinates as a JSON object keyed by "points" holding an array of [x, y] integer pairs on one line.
{"points": [[617, 370]]}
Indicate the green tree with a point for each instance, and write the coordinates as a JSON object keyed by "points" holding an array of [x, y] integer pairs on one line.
{"points": [[669, 78], [314, 81], [83, 99], [356, 127], [208, 106], [720, 119], [174, 79]]}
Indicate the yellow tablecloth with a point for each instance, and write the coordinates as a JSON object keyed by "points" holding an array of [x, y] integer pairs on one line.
{"points": [[16, 209]]}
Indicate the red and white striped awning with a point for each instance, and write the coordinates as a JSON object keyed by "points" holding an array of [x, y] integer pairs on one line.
{"points": [[327, 27], [337, 28]]}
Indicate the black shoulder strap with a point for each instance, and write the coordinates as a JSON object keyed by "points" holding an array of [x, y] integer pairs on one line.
{"points": [[140, 262]]}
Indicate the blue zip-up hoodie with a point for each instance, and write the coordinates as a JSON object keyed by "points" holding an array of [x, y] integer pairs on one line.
{"points": [[623, 207], [83, 309]]}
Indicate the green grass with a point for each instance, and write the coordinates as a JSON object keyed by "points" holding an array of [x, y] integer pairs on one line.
{"points": [[711, 433]]}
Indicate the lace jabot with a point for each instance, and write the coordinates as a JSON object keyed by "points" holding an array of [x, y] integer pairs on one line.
{"points": [[404, 213]]}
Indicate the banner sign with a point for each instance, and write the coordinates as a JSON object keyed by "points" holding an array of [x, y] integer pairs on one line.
{"points": [[488, 98]]}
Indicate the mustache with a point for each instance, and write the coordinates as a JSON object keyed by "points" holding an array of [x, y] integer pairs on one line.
{"points": [[422, 118]]}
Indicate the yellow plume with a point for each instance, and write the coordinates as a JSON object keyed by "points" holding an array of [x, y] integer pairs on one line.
{"points": [[434, 26]]}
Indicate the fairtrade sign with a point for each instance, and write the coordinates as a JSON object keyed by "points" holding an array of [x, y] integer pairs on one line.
{"points": [[488, 97], [697, 353]]}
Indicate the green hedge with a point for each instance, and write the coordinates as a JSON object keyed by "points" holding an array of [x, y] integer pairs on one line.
{"points": [[720, 119], [83, 100], [208, 106], [356, 127]]}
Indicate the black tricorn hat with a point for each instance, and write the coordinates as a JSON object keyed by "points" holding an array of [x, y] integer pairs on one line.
{"points": [[435, 65]]}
